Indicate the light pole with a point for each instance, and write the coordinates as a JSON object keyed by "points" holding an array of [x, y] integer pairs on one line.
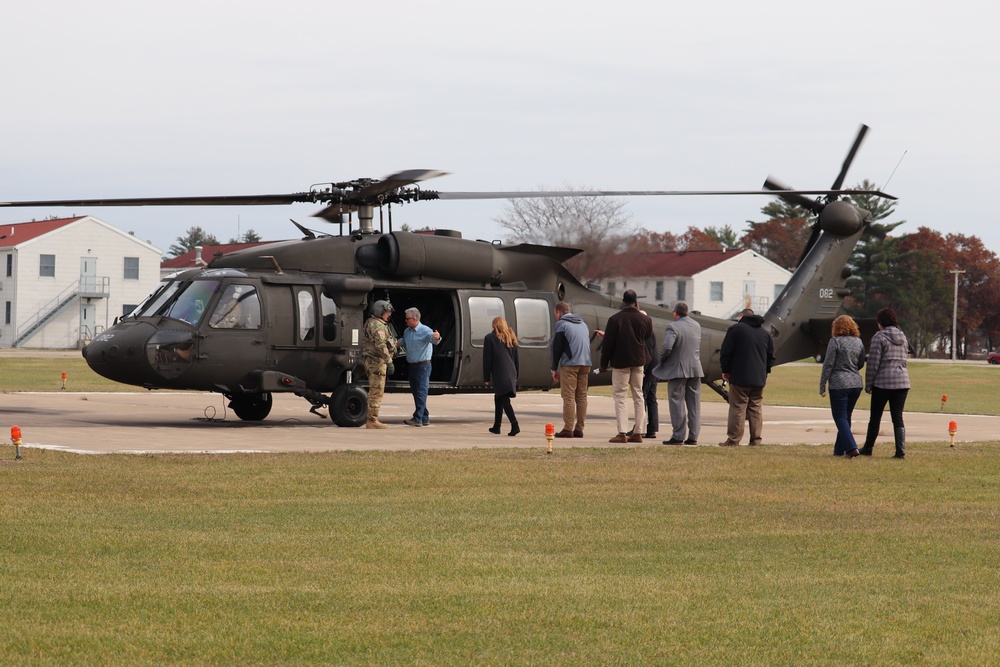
{"points": [[954, 315]]}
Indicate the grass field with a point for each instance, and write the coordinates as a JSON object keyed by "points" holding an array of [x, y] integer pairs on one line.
{"points": [[644, 556], [706, 556]]}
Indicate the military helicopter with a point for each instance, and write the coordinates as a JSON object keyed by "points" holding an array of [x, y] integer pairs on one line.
{"points": [[288, 316]]}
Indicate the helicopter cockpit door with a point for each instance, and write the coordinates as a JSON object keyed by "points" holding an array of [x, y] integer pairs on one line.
{"points": [[232, 328]]}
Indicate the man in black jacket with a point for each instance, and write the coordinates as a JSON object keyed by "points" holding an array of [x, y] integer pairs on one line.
{"points": [[747, 356], [624, 351]]}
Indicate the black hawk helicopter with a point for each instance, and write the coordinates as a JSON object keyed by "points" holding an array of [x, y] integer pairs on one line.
{"points": [[288, 316]]}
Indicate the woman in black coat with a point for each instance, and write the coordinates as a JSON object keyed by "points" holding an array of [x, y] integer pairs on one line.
{"points": [[500, 368]]}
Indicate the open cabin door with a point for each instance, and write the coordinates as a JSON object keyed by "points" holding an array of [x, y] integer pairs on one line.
{"points": [[439, 310]]}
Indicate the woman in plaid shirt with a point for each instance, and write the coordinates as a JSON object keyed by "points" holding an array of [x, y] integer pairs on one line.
{"points": [[887, 380]]}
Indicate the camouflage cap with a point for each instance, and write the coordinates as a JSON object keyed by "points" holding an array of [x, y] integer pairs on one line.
{"points": [[381, 307]]}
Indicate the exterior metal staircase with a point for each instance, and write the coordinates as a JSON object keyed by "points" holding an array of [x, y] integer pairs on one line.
{"points": [[90, 287]]}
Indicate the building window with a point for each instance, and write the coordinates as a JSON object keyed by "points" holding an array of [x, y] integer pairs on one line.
{"points": [[6, 316], [534, 322], [47, 266], [682, 290], [10, 265], [715, 291], [131, 268], [659, 291], [612, 286], [128, 308], [778, 289]]}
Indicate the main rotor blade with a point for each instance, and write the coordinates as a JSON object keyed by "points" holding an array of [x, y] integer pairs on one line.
{"points": [[795, 197], [232, 200], [862, 131], [777, 191]]}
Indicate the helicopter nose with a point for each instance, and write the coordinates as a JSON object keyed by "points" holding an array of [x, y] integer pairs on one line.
{"points": [[119, 353]]}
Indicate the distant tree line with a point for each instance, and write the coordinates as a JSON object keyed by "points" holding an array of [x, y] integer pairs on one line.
{"points": [[912, 272], [196, 236]]}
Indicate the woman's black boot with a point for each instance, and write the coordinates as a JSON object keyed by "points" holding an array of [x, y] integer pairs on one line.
{"points": [[900, 433]]}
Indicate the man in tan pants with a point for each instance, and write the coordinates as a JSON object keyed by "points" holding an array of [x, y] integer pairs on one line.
{"points": [[571, 364]]}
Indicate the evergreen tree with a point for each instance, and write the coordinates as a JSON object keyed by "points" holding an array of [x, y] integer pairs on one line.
{"points": [[196, 236], [249, 236], [873, 284], [725, 237]]}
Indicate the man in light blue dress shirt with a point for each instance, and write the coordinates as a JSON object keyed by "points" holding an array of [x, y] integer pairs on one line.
{"points": [[419, 341]]}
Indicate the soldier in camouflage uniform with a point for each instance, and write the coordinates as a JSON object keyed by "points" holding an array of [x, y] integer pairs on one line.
{"points": [[376, 354]]}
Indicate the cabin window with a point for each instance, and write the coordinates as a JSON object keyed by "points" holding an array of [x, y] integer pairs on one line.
{"points": [[47, 266], [239, 308], [534, 322], [131, 271], [482, 310], [307, 318], [329, 308], [715, 291]]}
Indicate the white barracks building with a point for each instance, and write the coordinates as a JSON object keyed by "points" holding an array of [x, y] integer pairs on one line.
{"points": [[64, 281]]}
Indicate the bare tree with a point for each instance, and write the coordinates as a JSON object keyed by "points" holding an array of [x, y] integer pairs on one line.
{"points": [[599, 226]]}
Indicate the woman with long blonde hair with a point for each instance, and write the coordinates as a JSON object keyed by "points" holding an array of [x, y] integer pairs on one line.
{"points": [[500, 369], [845, 356]]}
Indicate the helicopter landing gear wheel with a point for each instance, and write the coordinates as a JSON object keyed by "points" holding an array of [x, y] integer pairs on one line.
{"points": [[252, 407], [349, 405]]}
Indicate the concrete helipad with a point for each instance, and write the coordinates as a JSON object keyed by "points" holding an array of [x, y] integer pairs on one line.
{"points": [[162, 422]]}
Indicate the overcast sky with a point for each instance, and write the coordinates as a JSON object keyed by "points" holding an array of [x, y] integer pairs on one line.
{"points": [[127, 99]]}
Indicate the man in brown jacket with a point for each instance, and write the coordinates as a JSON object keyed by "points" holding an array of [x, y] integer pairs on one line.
{"points": [[624, 351]]}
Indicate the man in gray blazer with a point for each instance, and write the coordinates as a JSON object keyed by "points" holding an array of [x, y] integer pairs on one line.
{"points": [[680, 366]]}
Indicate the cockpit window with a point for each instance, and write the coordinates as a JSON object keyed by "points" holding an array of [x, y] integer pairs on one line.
{"points": [[329, 308], [190, 303], [239, 308], [154, 302]]}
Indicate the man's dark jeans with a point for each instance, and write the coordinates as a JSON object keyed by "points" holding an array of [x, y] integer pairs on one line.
{"points": [[420, 380]]}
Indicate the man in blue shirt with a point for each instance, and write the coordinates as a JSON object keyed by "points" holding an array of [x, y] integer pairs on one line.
{"points": [[419, 339]]}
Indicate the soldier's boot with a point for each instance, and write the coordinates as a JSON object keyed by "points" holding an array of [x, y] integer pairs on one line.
{"points": [[900, 434], [375, 423]]}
